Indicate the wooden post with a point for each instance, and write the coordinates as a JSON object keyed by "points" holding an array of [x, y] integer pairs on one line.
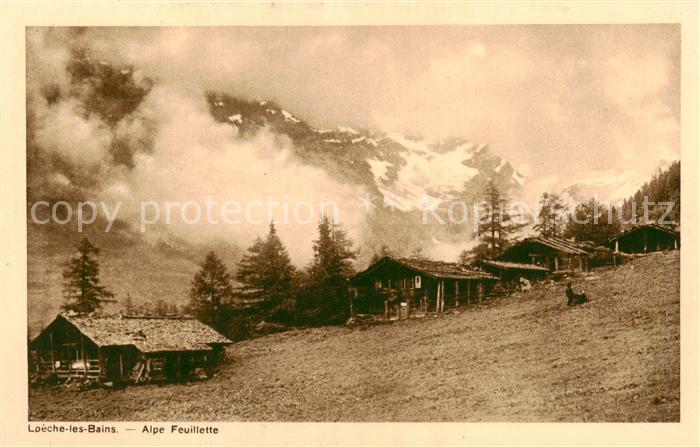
{"points": [[469, 287], [148, 370], [442, 296], [53, 360], [121, 366], [556, 263], [456, 293], [101, 362], [617, 245], [386, 309], [480, 290], [351, 295], [82, 354], [645, 241], [437, 298]]}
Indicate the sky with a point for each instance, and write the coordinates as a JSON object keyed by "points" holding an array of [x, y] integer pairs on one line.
{"points": [[567, 99], [561, 103]]}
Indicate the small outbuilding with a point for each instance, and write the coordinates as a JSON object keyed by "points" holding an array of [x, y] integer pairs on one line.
{"points": [[127, 349], [552, 253], [645, 238], [511, 272], [403, 284]]}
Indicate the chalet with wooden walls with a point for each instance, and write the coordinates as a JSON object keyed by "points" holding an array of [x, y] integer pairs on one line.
{"points": [[403, 285], [552, 253], [126, 349], [510, 272], [645, 239]]}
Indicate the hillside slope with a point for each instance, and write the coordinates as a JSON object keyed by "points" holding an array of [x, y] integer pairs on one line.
{"points": [[527, 357], [148, 270]]}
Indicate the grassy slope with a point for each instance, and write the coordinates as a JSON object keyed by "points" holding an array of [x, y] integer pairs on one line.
{"points": [[520, 358]]}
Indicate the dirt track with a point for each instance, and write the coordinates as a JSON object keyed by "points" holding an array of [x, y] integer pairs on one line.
{"points": [[520, 358]]}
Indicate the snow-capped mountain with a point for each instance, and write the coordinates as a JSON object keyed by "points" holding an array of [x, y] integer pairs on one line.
{"points": [[608, 186], [408, 173]]}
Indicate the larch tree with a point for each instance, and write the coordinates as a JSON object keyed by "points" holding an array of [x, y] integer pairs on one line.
{"points": [[551, 216], [496, 225], [82, 289]]}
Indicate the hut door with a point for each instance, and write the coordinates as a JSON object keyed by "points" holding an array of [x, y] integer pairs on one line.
{"points": [[115, 363]]}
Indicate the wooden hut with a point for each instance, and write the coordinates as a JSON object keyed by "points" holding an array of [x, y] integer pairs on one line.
{"points": [[126, 349], [645, 238], [402, 284], [552, 253], [510, 272]]}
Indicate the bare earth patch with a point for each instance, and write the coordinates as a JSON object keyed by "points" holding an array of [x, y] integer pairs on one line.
{"points": [[526, 357]]}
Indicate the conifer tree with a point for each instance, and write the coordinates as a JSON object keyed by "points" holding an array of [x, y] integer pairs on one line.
{"points": [[496, 225], [251, 270], [328, 274], [593, 222], [81, 288], [211, 293], [550, 216], [267, 272]]}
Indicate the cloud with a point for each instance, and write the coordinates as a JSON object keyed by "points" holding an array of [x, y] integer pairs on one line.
{"points": [[84, 142], [196, 159], [170, 149], [530, 92], [558, 101]]}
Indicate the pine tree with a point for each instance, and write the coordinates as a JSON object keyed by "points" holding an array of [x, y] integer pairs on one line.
{"points": [[266, 272], [251, 270], [496, 224], [665, 187], [550, 217], [81, 288], [211, 293]]}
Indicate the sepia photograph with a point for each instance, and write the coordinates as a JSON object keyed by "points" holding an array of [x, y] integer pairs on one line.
{"points": [[367, 224], [358, 224]]}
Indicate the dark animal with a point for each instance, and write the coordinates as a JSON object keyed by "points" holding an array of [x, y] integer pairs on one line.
{"points": [[574, 298]]}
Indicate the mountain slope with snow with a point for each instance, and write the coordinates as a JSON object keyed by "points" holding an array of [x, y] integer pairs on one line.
{"points": [[405, 172]]}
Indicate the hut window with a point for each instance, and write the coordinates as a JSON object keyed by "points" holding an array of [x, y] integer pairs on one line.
{"points": [[378, 284], [417, 282]]}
